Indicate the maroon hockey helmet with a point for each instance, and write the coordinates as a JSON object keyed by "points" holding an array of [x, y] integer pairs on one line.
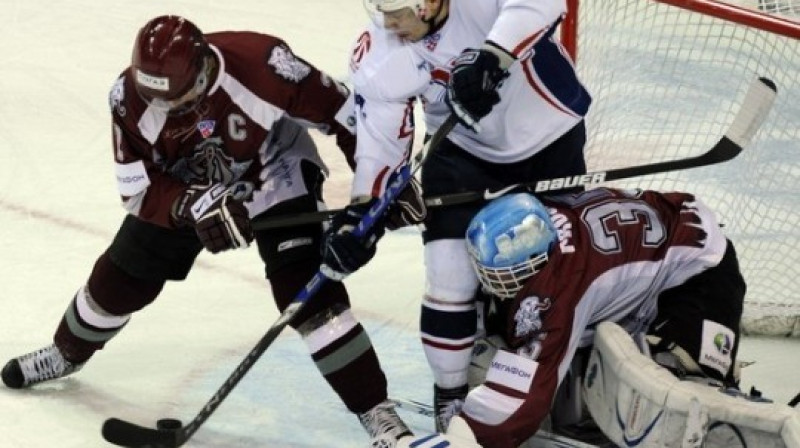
{"points": [[169, 63]]}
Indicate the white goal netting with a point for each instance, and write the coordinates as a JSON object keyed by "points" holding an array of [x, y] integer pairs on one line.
{"points": [[667, 81]]}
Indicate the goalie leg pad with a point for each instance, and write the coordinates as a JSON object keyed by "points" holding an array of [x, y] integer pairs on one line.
{"points": [[636, 402]]}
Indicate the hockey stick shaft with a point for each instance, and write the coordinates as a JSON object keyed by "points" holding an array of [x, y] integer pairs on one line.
{"points": [[124, 433], [754, 109]]}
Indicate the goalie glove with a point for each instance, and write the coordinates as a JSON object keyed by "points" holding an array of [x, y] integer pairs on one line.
{"points": [[476, 75], [342, 252], [219, 218]]}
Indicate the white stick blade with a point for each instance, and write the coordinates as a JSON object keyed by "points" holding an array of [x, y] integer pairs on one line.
{"points": [[756, 106]]}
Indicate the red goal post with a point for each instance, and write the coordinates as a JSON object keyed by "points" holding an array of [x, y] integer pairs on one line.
{"points": [[666, 77], [726, 11]]}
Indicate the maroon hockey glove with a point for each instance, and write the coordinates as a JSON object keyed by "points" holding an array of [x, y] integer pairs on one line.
{"points": [[409, 207], [220, 220]]}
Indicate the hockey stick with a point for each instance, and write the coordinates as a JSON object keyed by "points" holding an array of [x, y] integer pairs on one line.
{"points": [[752, 112], [541, 435], [124, 433]]}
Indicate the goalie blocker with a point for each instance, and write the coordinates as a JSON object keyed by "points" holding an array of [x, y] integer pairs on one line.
{"points": [[637, 402]]}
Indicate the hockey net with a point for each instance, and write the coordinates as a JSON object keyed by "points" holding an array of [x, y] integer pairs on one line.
{"points": [[667, 77]]}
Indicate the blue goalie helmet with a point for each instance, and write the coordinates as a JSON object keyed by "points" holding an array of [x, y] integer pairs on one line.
{"points": [[509, 241]]}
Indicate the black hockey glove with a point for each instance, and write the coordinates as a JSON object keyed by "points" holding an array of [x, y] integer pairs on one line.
{"points": [[409, 207], [342, 252], [476, 75], [220, 220]]}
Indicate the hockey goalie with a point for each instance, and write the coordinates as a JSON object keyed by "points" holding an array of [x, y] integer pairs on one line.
{"points": [[613, 320]]}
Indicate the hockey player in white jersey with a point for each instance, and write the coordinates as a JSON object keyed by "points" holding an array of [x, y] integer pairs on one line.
{"points": [[497, 66], [597, 268]]}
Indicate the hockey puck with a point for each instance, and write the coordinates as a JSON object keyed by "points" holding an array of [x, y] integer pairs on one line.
{"points": [[169, 424]]}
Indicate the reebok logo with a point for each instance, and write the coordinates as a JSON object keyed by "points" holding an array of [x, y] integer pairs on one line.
{"points": [[130, 179]]}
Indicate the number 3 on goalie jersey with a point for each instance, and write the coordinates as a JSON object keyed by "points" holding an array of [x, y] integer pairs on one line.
{"points": [[605, 221]]}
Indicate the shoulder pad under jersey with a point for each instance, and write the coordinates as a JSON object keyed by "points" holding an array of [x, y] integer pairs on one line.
{"points": [[384, 67]]}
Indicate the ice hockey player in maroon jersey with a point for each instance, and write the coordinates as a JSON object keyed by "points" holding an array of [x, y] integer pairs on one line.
{"points": [[655, 264], [208, 132]]}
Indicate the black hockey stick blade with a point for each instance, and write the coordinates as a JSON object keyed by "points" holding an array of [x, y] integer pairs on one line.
{"points": [[123, 433], [754, 109]]}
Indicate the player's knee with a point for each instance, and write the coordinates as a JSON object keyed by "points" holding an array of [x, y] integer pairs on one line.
{"points": [[289, 280], [449, 274], [101, 308], [115, 292]]}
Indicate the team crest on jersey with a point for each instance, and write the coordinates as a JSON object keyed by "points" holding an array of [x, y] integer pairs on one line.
{"points": [[431, 41], [287, 65], [529, 315], [206, 127], [209, 163], [362, 48]]}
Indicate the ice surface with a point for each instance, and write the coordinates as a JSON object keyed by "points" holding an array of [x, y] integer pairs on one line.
{"points": [[59, 210]]}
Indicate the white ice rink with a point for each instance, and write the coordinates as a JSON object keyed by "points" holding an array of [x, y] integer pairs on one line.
{"points": [[59, 210]]}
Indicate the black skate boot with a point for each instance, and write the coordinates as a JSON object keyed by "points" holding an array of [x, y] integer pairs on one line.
{"points": [[384, 426], [41, 365], [447, 404]]}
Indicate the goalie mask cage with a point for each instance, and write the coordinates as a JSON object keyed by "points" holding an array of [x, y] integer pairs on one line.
{"points": [[666, 77]]}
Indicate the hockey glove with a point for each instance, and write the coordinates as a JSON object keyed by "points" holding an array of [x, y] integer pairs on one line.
{"points": [[342, 252], [476, 75], [409, 207], [220, 220]]}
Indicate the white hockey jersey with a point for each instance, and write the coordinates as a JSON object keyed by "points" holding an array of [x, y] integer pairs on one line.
{"points": [[540, 100]]}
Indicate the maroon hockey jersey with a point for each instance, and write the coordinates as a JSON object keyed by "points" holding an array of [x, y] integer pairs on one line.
{"points": [[616, 251], [225, 138]]}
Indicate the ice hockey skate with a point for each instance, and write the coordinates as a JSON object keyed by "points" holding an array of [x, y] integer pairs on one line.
{"points": [[384, 426], [38, 366], [447, 403]]}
